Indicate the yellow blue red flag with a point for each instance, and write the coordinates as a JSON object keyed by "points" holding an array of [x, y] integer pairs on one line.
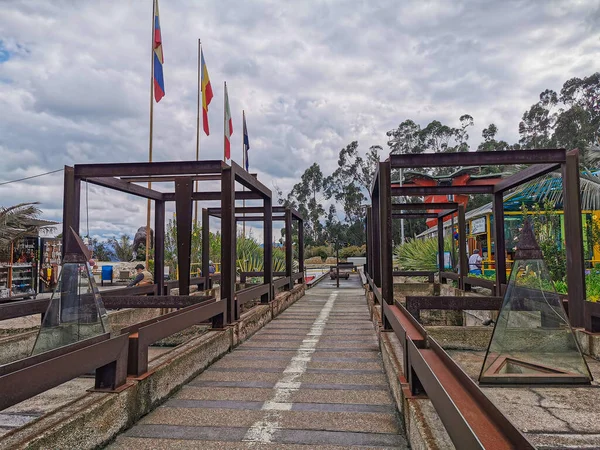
{"points": [[159, 82]]}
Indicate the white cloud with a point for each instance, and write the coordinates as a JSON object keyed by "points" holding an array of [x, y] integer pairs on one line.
{"points": [[312, 77]]}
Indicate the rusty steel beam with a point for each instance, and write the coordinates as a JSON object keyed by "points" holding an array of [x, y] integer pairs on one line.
{"points": [[205, 247], [441, 190], [301, 247], [574, 239], [592, 317], [251, 293], [159, 245], [415, 273], [159, 301], [268, 248], [258, 219], [499, 241], [474, 281], [169, 178], [441, 254], [385, 224], [450, 275], [509, 157], [183, 206], [128, 188], [414, 304], [422, 215], [149, 169], [525, 175], [23, 308], [369, 242], [471, 420], [214, 196], [446, 213], [376, 275], [108, 358], [228, 243], [424, 206], [295, 214], [163, 327], [289, 251], [252, 183], [462, 246], [71, 208], [149, 289]]}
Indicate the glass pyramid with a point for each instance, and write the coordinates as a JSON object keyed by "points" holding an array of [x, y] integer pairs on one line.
{"points": [[532, 342], [76, 311]]}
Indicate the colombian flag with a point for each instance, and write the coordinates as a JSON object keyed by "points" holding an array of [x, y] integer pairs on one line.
{"points": [[207, 93], [228, 126], [159, 82]]}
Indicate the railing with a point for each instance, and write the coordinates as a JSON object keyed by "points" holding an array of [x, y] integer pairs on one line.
{"points": [[415, 304], [31, 376], [127, 298], [144, 334], [481, 282], [470, 418], [415, 273], [114, 358]]}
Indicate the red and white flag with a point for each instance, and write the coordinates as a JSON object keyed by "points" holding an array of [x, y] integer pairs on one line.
{"points": [[228, 126]]}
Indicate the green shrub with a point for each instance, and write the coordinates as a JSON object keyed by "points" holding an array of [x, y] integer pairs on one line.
{"points": [[323, 251], [353, 251], [313, 260]]}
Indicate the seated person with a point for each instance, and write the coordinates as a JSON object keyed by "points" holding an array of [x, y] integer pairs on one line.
{"points": [[142, 278], [211, 268], [475, 263]]}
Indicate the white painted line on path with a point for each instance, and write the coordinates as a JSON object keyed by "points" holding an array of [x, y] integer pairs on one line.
{"points": [[262, 431]]}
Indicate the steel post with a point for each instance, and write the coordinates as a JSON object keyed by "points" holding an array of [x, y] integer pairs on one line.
{"points": [[159, 245], [301, 248], [376, 236], [268, 248], [289, 241], [574, 239], [440, 232], [385, 223], [71, 208], [462, 246], [499, 241], [206, 248], [183, 206], [228, 234]]}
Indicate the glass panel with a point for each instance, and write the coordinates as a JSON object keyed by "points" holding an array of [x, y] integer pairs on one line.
{"points": [[76, 311], [532, 335]]}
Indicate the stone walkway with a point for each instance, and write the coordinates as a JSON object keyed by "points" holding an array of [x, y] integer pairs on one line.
{"points": [[312, 377]]}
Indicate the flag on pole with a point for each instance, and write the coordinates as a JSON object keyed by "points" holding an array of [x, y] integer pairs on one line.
{"points": [[159, 82], [246, 141], [228, 126], [207, 94]]}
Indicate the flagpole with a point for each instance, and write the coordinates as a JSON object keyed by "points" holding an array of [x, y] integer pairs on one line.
{"points": [[198, 128], [244, 162], [149, 206], [224, 118]]}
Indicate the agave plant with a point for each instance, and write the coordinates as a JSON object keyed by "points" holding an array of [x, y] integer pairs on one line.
{"points": [[418, 254], [250, 257]]}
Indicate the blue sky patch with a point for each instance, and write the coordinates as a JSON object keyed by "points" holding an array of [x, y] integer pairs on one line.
{"points": [[4, 54]]}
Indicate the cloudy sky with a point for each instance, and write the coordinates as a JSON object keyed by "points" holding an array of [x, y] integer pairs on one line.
{"points": [[311, 75]]}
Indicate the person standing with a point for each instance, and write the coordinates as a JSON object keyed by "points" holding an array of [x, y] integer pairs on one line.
{"points": [[475, 263]]}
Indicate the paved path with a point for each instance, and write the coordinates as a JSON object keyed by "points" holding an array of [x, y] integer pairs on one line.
{"points": [[312, 377]]}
